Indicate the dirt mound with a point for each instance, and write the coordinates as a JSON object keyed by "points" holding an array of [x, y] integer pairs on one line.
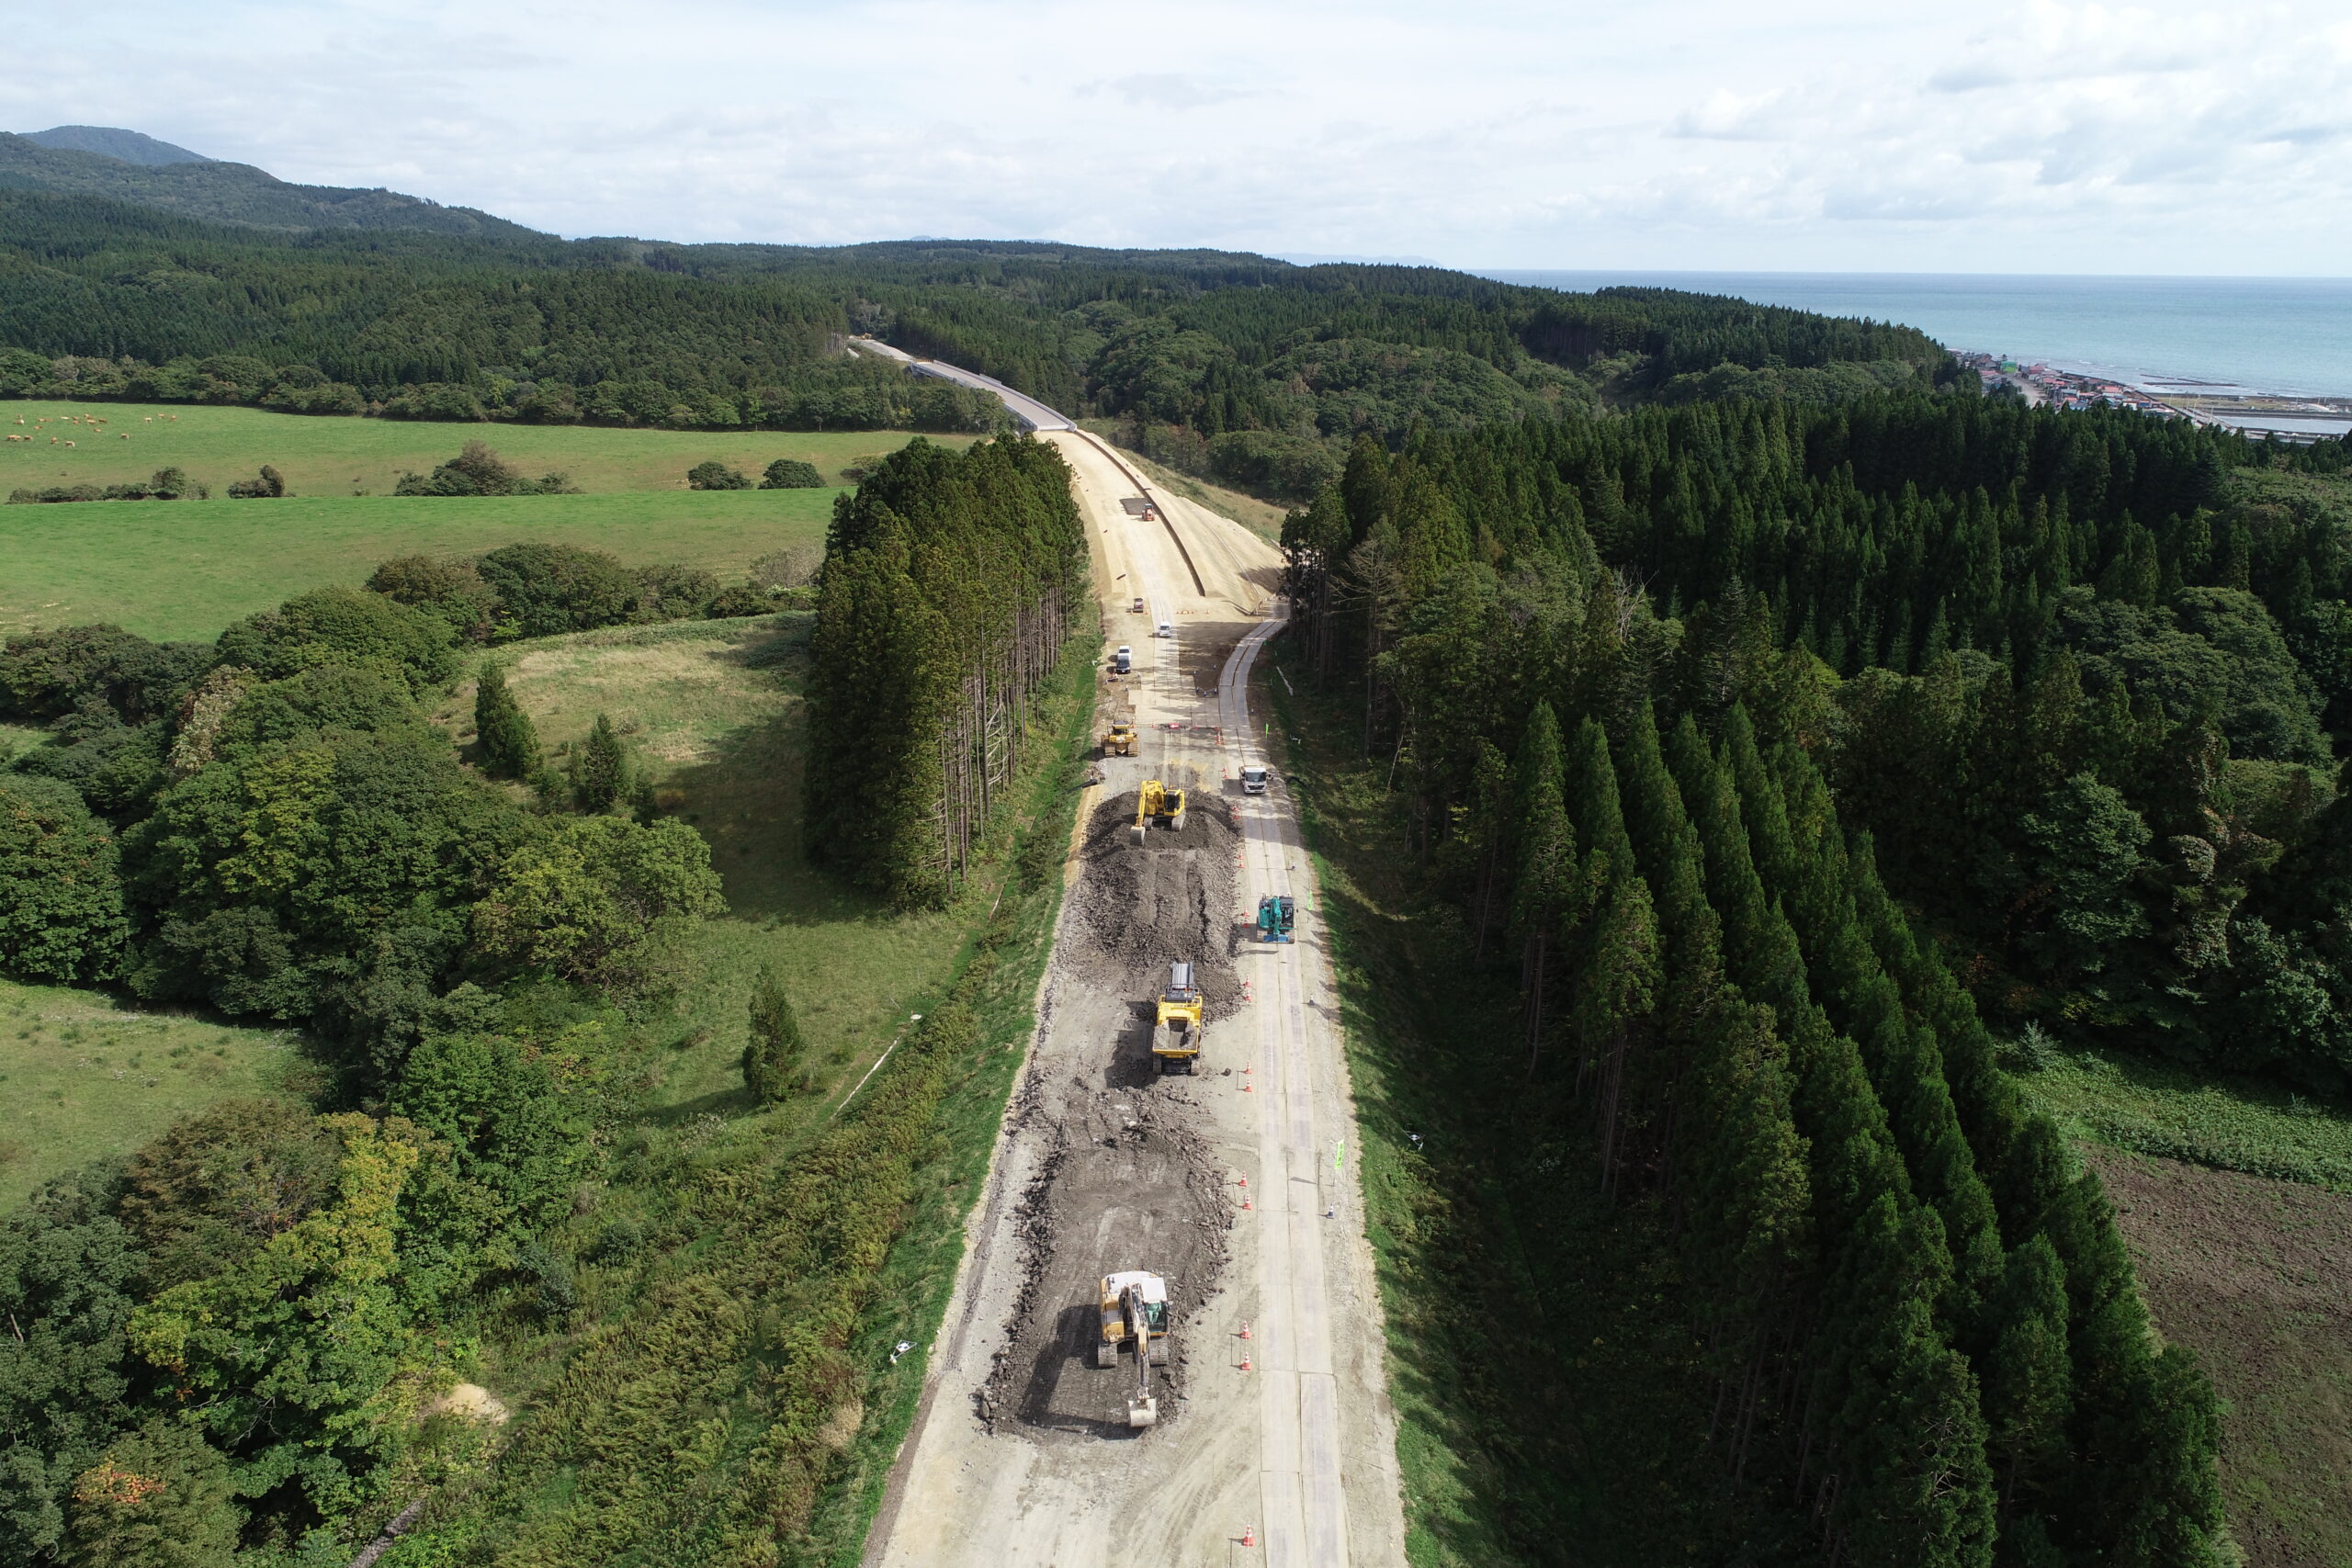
{"points": [[1123, 1174], [1126, 1182], [1137, 909]]}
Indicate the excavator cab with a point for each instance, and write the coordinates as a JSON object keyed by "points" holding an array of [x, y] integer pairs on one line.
{"points": [[1156, 805], [1134, 1311], [1276, 917]]}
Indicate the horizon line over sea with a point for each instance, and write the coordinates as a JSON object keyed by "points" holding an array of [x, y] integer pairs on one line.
{"points": [[2270, 336]]}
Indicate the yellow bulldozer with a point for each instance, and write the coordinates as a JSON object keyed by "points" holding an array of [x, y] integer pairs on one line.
{"points": [[1119, 740], [1158, 806]]}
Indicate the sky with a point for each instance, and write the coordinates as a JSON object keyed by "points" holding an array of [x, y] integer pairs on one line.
{"points": [[2047, 136]]}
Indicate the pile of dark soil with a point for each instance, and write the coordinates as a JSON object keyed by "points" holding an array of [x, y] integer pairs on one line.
{"points": [[1123, 1175], [1126, 1182], [1137, 909]]}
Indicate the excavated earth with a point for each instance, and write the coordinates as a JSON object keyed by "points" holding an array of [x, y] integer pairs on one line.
{"points": [[1125, 1175]]}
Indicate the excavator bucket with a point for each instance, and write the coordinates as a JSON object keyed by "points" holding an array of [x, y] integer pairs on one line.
{"points": [[1143, 1411]]}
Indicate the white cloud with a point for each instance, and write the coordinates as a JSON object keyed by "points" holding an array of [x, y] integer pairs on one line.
{"points": [[2180, 134]]}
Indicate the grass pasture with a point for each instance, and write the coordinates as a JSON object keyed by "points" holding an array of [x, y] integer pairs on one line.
{"points": [[83, 1078], [2152, 1107], [333, 455], [714, 708], [185, 569]]}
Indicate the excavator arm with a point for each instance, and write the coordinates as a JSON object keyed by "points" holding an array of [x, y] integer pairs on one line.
{"points": [[1143, 1409]]}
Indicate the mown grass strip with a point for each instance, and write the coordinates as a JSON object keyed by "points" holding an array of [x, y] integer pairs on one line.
{"points": [[1439, 1224]]}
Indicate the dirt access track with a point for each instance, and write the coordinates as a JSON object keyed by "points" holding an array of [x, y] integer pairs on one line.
{"points": [[1237, 1182]]}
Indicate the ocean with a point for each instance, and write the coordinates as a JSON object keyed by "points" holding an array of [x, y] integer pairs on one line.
{"points": [[2289, 336]]}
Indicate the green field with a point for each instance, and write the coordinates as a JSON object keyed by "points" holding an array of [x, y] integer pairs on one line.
{"points": [[2150, 1107], [343, 457], [713, 708], [86, 1078], [170, 569]]}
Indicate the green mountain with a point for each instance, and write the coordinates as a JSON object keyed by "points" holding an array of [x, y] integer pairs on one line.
{"points": [[122, 165], [111, 142]]}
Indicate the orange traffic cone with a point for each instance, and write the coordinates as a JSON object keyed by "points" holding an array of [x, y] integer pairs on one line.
{"points": [[1245, 1364], [1249, 1535], [1245, 1181], [1245, 1331], [1247, 1206]]}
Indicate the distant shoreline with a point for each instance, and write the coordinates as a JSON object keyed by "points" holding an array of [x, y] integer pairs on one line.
{"points": [[2287, 339]]}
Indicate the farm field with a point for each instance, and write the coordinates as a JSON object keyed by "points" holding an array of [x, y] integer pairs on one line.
{"points": [[333, 455], [85, 1077], [2235, 1196], [2249, 1271], [186, 568]]}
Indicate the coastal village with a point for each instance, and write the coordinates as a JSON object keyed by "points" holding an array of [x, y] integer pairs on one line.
{"points": [[2288, 419]]}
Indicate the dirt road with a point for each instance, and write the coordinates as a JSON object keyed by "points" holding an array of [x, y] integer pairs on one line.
{"points": [[1020, 1455]]}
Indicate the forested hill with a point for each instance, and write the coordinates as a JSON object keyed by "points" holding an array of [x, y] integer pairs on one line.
{"points": [[2085, 685], [1259, 370], [201, 188], [1807, 772]]}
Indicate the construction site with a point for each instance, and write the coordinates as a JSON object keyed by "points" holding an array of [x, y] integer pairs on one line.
{"points": [[1125, 1160], [1164, 1345]]}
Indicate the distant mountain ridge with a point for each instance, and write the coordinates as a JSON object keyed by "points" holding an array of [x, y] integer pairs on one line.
{"points": [[124, 166], [111, 142]]}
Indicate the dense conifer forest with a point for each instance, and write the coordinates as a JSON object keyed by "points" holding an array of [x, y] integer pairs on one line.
{"points": [[1260, 371], [1788, 759], [952, 584]]}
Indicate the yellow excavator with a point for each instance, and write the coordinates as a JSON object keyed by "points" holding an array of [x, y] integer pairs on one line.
{"points": [[1119, 740], [1176, 1027], [1135, 1313], [1157, 804]]}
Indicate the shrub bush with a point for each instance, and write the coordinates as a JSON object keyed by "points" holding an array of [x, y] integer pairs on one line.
{"points": [[716, 475], [330, 626], [792, 473], [478, 470], [544, 589], [268, 485], [60, 887]]}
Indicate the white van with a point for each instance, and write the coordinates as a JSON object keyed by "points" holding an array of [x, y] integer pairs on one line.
{"points": [[1166, 629], [1253, 779], [1123, 661]]}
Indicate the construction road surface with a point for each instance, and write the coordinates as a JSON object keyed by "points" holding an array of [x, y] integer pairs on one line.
{"points": [[1240, 1179]]}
